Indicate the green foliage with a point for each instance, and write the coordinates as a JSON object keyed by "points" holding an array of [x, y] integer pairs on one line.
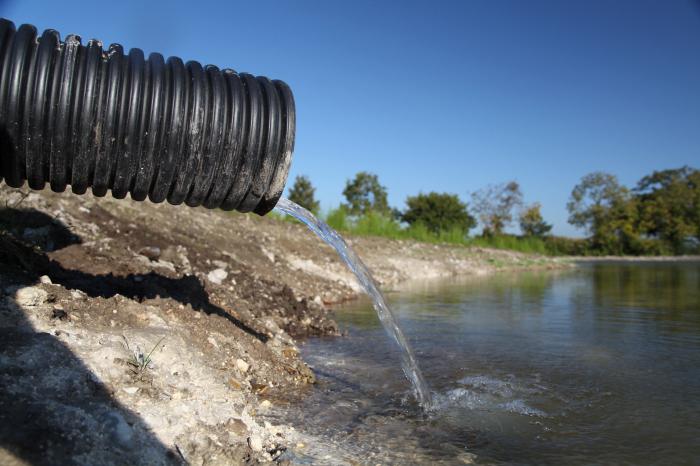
{"points": [[531, 245], [532, 223], [378, 224], [364, 194], [669, 206], [438, 213], [338, 219], [563, 246], [495, 204], [607, 211], [660, 217], [303, 193]]}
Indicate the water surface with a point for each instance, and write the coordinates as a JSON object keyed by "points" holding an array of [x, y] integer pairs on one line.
{"points": [[596, 365]]}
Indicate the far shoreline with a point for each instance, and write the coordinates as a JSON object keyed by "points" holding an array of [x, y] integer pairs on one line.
{"points": [[687, 258]]}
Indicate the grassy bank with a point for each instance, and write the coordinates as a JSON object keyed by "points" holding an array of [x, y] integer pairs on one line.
{"points": [[373, 224]]}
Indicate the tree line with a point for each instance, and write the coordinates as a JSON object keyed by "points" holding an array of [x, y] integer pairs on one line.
{"points": [[660, 215]]}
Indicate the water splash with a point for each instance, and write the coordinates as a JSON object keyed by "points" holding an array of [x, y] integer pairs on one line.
{"points": [[355, 264]]}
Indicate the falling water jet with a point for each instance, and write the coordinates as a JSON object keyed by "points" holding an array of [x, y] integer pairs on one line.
{"points": [[386, 316]]}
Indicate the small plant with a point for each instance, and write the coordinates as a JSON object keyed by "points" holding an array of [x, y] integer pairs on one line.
{"points": [[138, 360]]}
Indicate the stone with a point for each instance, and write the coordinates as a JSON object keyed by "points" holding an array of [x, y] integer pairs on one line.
{"points": [[217, 276], [151, 252], [45, 280], [131, 390], [213, 342], [238, 427], [265, 404], [31, 296], [78, 295], [255, 443], [220, 264], [242, 365]]}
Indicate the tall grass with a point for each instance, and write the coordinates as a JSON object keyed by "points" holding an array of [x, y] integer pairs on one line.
{"points": [[375, 224], [513, 243]]}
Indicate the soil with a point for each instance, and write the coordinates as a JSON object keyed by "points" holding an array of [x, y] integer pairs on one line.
{"points": [[136, 333]]}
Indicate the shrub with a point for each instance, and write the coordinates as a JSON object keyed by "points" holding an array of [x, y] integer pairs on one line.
{"points": [[438, 212]]}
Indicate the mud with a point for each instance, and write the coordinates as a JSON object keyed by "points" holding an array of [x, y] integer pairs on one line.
{"points": [[134, 333]]}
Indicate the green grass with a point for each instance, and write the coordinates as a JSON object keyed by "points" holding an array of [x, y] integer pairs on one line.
{"points": [[373, 224], [512, 243]]}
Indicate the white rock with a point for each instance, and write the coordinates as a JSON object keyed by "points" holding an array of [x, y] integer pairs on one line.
{"points": [[255, 443], [131, 390], [242, 365], [77, 294], [265, 404], [45, 280], [216, 276], [31, 296]]}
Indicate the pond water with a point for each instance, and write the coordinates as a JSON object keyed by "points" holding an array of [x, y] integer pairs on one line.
{"points": [[599, 364]]}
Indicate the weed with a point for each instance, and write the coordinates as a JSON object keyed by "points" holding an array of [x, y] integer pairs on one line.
{"points": [[138, 360]]}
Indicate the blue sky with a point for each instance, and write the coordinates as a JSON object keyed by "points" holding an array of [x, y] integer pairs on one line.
{"points": [[443, 96]]}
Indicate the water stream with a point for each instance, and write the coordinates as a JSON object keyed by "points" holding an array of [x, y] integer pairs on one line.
{"points": [[364, 277]]}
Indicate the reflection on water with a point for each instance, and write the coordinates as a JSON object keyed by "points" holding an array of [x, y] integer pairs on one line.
{"points": [[596, 365]]}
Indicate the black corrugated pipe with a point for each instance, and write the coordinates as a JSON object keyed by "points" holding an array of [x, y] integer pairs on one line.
{"points": [[77, 115]]}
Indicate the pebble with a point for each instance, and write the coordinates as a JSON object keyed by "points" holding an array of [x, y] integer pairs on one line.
{"points": [[31, 296], [77, 294], [152, 252], [265, 404], [216, 276], [242, 365], [131, 390], [255, 443], [45, 280], [238, 427], [220, 264]]}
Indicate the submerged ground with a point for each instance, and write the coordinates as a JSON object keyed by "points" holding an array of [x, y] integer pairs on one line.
{"points": [[91, 289]]}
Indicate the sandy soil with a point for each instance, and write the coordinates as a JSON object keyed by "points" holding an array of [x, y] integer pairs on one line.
{"points": [[134, 333]]}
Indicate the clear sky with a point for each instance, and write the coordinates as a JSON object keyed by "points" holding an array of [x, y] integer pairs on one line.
{"points": [[443, 96]]}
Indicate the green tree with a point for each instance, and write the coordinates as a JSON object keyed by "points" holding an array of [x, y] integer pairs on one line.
{"points": [[438, 212], [532, 223], [303, 193], [364, 193], [608, 212], [669, 205], [495, 204]]}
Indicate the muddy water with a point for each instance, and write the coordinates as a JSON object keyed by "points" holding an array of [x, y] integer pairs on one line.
{"points": [[599, 365]]}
